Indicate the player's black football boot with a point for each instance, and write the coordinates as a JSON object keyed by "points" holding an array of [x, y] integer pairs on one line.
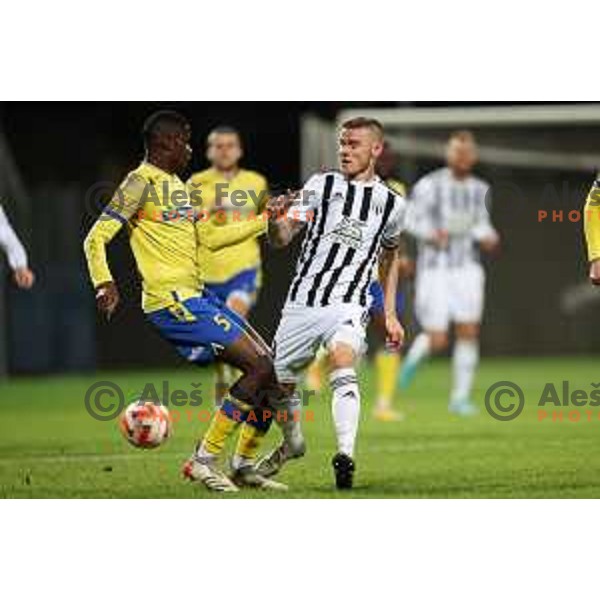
{"points": [[343, 467]]}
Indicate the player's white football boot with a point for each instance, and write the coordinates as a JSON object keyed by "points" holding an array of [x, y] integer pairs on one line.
{"points": [[272, 463], [209, 476], [249, 477]]}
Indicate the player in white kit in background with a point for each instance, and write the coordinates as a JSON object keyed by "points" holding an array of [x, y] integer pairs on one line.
{"points": [[353, 223], [16, 254], [449, 216]]}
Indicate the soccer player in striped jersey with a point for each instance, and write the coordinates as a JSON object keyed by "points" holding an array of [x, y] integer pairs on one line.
{"points": [[353, 221], [15, 253], [164, 231], [450, 219], [387, 361], [592, 231]]}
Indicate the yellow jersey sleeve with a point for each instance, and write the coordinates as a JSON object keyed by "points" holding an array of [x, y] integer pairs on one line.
{"points": [[217, 237], [592, 222], [117, 213], [229, 245]]}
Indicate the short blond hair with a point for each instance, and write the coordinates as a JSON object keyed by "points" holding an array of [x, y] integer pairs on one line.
{"points": [[364, 123]]}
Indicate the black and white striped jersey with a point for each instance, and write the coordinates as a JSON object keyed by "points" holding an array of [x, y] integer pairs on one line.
{"points": [[461, 207], [348, 222]]}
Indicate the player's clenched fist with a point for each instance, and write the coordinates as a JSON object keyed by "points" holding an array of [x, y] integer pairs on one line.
{"points": [[24, 278], [595, 273], [107, 298]]}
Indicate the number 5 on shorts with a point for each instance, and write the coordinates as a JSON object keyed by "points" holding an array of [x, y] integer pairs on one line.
{"points": [[221, 321]]}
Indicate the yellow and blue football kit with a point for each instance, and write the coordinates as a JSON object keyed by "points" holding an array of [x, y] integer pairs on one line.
{"points": [[227, 273], [233, 270], [165, 233], [592, 222]]}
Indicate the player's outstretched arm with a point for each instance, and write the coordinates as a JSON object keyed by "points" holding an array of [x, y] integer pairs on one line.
{"points": [[119, 210], [389, 267], [215, 236], [592, 232], [16, 254]]}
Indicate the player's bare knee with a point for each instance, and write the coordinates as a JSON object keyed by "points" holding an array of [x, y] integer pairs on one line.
{"points": [[264, 371], [439, 342], [468, 333], [341, 356]]}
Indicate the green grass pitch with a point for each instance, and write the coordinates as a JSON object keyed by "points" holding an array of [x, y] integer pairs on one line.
{"points": [[51, 448]]}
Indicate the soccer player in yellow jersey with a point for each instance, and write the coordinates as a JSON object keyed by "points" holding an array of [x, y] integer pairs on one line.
{"points": [[165, 229], [592, 231], [232, 195]]}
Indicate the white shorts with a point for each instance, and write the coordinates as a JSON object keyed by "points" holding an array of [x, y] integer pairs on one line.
{"points": [[445, 296], [304, 330]]}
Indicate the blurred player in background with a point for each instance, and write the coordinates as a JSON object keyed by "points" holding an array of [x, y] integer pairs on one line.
{"points": [[164, 235], [353, 221], [15, 253], [450, 219], [592, 231]]}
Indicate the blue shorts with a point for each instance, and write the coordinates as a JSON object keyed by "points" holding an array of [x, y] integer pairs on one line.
{"points": [[244, 285], [200, 328], [377, 301]]}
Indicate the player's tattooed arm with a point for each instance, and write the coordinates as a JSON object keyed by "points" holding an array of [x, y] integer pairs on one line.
{"points": [[282, 232], [389, 267], [282, 227]]}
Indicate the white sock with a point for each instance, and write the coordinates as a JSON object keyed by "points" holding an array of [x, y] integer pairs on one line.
{"points": [[465, 363], [420, 350], [345, 408]]}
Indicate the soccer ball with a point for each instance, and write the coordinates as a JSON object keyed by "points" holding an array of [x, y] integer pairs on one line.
{"points": [[145, 425]]}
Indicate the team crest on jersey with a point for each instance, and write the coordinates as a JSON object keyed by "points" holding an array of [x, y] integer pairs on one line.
{"points": [[349, 232]]}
